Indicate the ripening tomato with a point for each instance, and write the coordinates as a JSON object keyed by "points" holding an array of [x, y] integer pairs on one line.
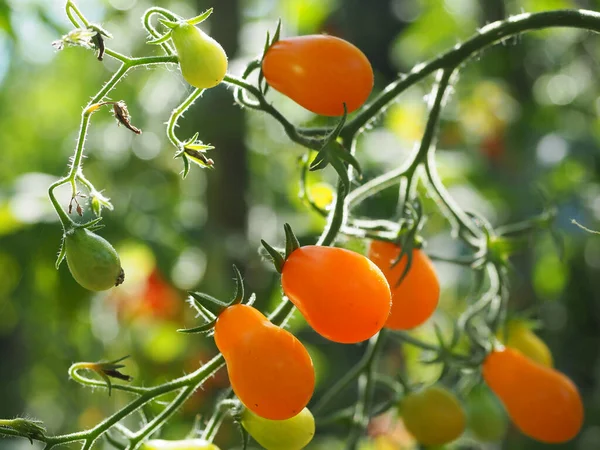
{"points": [[202, 60], [291, 434], [415, 299], [522, 338], [342, 295], [270, 370], [486, 416], [184, 444], [434, 416], [320, 73], [92, 260], [542, 402]]}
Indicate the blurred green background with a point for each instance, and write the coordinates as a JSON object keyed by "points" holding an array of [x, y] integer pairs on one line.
{"points": [[523, 115]]}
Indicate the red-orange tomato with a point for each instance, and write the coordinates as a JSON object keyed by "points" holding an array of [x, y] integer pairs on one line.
{"points": [[542, 402], [414, 300], [270, 370], [320, 73], [342, 295]]}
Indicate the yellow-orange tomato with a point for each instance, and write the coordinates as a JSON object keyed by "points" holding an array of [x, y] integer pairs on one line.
{"points": [[542, 402], [342, 295], [413, 300], [320, 73], [520, 337], [270, 370]]}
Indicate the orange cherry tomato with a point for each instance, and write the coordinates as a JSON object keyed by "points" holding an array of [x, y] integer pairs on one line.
{"points": [[270, 370], [542, 402], [320, 73], [414, 300], [342, 295]]}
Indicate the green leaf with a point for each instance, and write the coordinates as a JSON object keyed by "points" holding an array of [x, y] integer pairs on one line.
{"points": [[61, 254]]}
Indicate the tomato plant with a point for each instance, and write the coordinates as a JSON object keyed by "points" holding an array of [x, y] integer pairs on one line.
{"points": [[270, 370], [294, 433], [92, 260], [414, 297], [434, 416], [342, 295], [320, 73], [543, 403]]}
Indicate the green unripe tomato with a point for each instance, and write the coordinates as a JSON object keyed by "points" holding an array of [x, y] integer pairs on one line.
{"points": [[487, 418], [434, 416], [289, 434], [93, 262], [202, 60], [184, 444]]}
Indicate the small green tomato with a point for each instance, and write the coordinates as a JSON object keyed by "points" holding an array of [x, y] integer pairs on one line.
{"points": [[289, 434], [486, 416], [202, 60], [184, 444], [92, 260], [434, 416]]}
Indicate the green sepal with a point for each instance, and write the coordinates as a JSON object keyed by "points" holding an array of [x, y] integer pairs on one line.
{"points": [[278, 260], [213, 307], [207, 328], [167, 23], [342, 172], [61, 254], [160, 40], [28, 428], [201, 18], [291, 241], [212, 304]]}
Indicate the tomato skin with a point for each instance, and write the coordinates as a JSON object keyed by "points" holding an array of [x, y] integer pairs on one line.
{"points": [[542, 402], [342, 295], [486, 416], [92, 260], [434, 416], [270, 370], [522, 338], [291, 434], [320, 73], [415, 299], [202, 60], [184, 444]]}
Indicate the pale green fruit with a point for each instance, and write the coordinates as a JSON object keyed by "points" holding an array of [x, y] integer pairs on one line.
{"points": [[290, 434], [92, 260], [202, 60]]}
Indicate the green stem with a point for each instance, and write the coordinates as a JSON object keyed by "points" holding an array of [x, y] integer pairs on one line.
{"points": [[487, 36], [290, 129], [176, 114], [365, 362], [147, 20], [366, 382]]}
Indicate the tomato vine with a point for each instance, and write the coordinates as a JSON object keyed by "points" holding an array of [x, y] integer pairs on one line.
{"points": [[334, 146]]}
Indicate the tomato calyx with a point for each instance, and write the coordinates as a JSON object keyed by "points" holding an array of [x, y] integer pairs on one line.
{"points": [[170, 25], [194, 149], [262, 84], [210, 307], [291, 244], [334, 153], [105, 369]]}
